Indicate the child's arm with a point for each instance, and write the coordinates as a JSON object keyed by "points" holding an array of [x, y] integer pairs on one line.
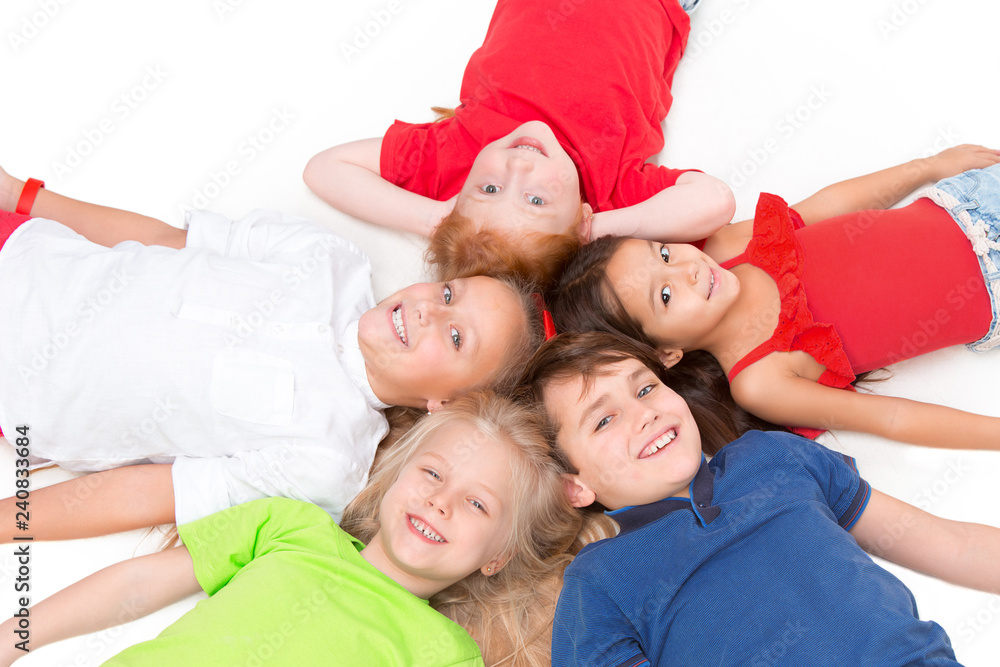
{"points": [[884, 188], [769, 390], [348, 177], [957, 552], [692, 209], [115, 595], [100, 224], [101, 503]]}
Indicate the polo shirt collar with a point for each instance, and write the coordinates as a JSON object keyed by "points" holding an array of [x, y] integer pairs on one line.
{"points": [[700, 502]]}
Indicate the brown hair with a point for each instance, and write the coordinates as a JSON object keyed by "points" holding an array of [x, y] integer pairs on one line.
{"points": [[458, 249], [509, 614], [587, 354]]}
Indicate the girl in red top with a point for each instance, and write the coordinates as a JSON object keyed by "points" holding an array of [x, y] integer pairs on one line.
{"points": [[560, 110], [792, 312]]}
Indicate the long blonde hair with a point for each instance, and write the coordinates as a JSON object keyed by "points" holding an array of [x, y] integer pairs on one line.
{"points": [[510, 613]]}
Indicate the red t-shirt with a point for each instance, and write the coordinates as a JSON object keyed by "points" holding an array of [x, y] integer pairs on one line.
{"points": [[597, 72]]}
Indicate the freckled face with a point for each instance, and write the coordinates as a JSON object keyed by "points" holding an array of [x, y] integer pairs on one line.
{"points": [[525, 180], [448, 513], [429, 342], [633, 440], [677, 293]]}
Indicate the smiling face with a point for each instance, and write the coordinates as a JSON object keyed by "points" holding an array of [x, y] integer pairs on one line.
{"points": [[448, 514], [678, 294], [525, 180], [632, 440], [429, 342]]}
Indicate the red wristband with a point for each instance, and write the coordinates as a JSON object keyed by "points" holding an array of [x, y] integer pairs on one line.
{"points": [[28, 194]]}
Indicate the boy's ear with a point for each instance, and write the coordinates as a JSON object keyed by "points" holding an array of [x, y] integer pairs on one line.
{"points": [[579, 494], [670, 357]]}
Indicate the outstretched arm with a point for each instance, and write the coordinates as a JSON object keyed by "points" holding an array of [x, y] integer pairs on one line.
{"points": [[100, 224], [957, 552], [115, 595], [348, 177], [768, 390], [101, 503], [692, 209], [884, 188]]}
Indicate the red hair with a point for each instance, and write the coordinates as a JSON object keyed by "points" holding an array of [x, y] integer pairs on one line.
{"points": [[458, 250]]}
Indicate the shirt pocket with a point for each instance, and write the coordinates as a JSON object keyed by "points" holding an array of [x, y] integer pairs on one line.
{"points": [[253, 387]]}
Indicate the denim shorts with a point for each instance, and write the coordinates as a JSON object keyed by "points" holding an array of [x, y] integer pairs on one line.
{"points": [[973, 199]]}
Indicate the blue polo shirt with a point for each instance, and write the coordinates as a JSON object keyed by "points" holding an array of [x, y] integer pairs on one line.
{"points": [[756, 568]]}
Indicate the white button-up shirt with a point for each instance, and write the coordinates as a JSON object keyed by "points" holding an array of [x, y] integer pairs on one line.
{"points": [[237, 358]]}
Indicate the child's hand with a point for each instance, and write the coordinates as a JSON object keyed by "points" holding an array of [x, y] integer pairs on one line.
{"points": [[955, 160]]}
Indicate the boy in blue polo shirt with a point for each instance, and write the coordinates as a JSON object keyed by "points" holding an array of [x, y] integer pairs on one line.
{"points": [[755, 558]]}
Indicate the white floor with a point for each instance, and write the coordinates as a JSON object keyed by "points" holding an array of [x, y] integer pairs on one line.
{"points": [[219, 104]]}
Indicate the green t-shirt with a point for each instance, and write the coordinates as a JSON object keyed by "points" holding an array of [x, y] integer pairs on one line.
{"points": [[289, 587]]}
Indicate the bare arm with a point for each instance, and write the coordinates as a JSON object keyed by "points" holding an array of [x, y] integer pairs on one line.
{"points": [[100, 224], [691, 210], [884, 188], [349, 178], [957, 552], [115, 595], [101, 503], [770, 391]]}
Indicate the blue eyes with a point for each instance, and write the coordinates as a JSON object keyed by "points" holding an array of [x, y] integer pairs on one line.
{"points": [[447, 293], [491, 189], [645, 390]]}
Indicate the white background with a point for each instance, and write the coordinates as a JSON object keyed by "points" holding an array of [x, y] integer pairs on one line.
{"points": [[144, 106]]}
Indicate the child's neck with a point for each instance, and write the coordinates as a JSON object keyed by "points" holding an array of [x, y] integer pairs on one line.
{"points": [[750, 321]]}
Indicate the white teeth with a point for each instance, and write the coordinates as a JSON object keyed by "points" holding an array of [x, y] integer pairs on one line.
{"points": [[661, 442], [530, 148], [425, 530], [711, 283], [397, 321]]}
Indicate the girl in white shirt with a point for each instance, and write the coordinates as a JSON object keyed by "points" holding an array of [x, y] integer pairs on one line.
{"points": [[219, 363]]}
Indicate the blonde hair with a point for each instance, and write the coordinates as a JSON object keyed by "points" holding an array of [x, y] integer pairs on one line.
{"points": [[510, 613], [457, 249]]}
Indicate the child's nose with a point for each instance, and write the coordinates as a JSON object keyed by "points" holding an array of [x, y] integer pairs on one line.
{"points": [[439, 503], [427, 312], [519, 164]]}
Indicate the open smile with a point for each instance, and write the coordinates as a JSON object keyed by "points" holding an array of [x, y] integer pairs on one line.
{"points": [[711, 283], [424, 530], [659, 442], [529, 144], [396, 316]]}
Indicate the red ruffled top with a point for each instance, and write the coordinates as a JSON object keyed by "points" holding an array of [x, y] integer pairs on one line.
{"points": [[775, 250]]}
